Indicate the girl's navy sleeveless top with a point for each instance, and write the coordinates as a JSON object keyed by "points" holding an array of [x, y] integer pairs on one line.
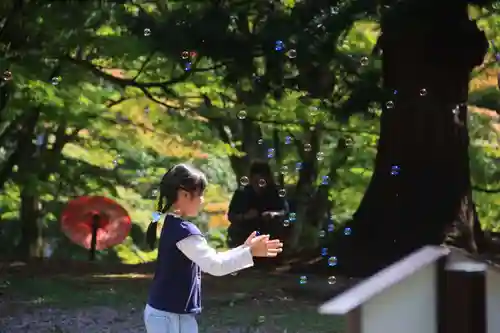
{"points": [[176, 285]]}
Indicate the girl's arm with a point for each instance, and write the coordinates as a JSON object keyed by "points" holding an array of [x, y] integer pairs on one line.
{"points": [[197, 249]]}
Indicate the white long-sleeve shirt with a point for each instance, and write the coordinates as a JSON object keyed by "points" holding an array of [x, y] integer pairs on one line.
{"points": [[197, 249]]}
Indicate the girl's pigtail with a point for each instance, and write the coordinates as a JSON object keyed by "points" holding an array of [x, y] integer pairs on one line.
{"points": [[151, 235], [152, 227]]}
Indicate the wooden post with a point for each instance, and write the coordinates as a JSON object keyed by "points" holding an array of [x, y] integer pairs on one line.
{"points": [[462, 298]]}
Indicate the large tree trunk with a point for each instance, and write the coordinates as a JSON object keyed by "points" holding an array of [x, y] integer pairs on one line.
{"points": [[31, 244], [423, 140]]}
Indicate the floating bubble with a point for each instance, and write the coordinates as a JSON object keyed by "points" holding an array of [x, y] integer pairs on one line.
{"points": [[303, 279], [321, 233], [279, 45], [332, 261], [282, 192], [320, 156], [324, 251], [331, 227], [261, 319], [298, 166], [334, 10], [292, 54], [325, 180], [364, 61], [154, 193], [292, 217], [260, 141], [307, 147], [332, 280], [55, 80], [394, 170], [288, 140], [147, 32], [187, 68], [262, 182], [185, 55], [389, 104], [347, 231], [286, 223], [156, 216], [423, 92], [7, 76], [244, 181], [270, 153], [242, 114], [284, 169]]}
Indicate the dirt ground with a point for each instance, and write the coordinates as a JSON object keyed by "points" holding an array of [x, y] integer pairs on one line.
{"points": [[72, 297]]}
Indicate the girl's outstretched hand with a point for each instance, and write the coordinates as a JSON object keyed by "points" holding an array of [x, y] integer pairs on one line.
{"points": [[262, 246]]}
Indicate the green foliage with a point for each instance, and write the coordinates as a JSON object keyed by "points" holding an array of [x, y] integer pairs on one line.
{"points": [[120, 101]]}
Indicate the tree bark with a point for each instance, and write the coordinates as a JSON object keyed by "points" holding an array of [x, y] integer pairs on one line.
{"points": [[31, 245], [420, 192]]}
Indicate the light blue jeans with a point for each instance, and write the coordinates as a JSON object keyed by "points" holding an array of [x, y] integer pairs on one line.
{"points": [[157, 321]]}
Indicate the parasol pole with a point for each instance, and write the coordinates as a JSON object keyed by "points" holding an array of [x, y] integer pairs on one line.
{"points": [[93, 240]]}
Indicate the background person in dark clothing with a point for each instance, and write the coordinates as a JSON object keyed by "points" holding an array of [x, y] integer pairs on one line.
{"points": [[256, 206]]}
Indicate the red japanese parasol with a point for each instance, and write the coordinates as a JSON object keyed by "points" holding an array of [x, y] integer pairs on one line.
{"points": [[95, 222]]}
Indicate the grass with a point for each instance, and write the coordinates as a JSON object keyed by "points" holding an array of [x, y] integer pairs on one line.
{"points": [[250, 300]]}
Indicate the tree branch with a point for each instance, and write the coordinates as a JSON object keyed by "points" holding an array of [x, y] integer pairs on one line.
{"points": [[486, 190]]}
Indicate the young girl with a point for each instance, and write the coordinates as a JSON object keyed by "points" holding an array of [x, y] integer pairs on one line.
{"points": [[183, 252]]}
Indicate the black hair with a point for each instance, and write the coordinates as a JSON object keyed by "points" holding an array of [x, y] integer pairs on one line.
{"points": [[180, 176], [261, 168]]}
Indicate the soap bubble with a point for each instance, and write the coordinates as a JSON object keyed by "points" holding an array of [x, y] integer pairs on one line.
{"points": [[389, 104], [242, 114], [262, 182], [55, 80], [279, 45], [394, 170], [347, 231], [332, 280], [321, 233], [147, 32], [320, 156], [292, 54], [332, 261], [156, 216], [307, 147], [364, 61], [303, 279], [423, 92], [7, 76], [244, 181], [282, 192]]}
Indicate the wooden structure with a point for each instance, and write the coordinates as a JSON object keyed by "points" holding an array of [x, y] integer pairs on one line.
{"points": [[433, 290]]}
